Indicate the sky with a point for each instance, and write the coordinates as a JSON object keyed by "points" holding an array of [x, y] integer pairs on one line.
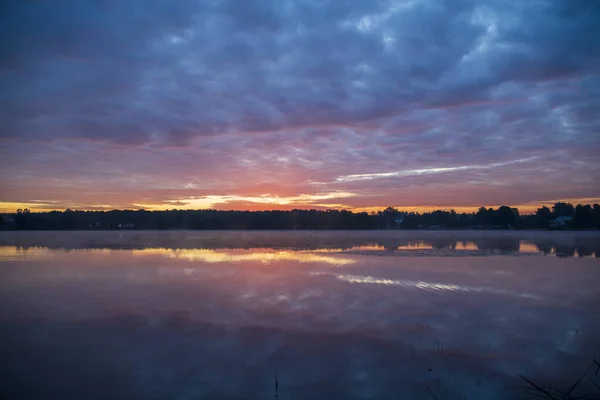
{"points": [[282, 104]]}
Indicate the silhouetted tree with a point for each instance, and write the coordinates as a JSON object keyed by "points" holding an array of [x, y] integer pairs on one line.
{"points": [[544, 215], [562, 209], [583, 217], [487, 217], [388, 217], [411, 221], [504, 217], [22, 219]]}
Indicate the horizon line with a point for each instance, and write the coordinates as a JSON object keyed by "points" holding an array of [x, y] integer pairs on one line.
{"points": [[527, 209]]}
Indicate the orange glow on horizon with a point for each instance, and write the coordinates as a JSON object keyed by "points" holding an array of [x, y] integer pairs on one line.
{"points": [[272, 203]]}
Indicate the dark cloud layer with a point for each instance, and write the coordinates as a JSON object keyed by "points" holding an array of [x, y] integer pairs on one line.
{"points": [[94, 90]]}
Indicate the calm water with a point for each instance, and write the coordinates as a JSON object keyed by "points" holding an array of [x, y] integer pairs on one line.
{"points": [[326, 315]]}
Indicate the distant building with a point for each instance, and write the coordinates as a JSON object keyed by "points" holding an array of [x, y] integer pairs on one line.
{"points": [[399, 221], [560, 222], [96, 225], [8, 222], [127, 225]]}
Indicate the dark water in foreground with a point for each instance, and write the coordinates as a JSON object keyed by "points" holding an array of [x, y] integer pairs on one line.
{"points": [[329, 315]]}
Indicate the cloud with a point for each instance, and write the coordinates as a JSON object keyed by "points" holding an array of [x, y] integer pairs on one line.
{"points": [[427, 171], [156, 95]]}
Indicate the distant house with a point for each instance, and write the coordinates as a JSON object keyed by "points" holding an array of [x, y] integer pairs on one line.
{"points": [[8, 222], [96, 225], [560, 222], [127, 225], [399, 221]]}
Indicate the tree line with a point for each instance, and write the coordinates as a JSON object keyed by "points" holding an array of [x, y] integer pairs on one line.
{"points": [[572, 217]]}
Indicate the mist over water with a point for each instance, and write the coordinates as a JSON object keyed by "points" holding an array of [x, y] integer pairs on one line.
{"points": [[327, 315]]}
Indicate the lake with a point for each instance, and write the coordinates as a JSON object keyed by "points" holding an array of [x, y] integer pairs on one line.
{"points": [[298, 315]]}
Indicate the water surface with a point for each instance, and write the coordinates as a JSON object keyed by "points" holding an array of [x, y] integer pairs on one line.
{"points": [[326, 315]]}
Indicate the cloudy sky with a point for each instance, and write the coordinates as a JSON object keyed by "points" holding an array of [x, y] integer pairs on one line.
{"points": [[269, 104]]}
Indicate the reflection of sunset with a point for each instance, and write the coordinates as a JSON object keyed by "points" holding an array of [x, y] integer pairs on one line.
{"points": [[334, 253], [264, 256], [420, 245], [466, 246], [353, 248], [527, 247], [8, 253], [368, 248]]}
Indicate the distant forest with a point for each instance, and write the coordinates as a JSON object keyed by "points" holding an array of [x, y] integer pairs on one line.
{"points": [[561, 216]]}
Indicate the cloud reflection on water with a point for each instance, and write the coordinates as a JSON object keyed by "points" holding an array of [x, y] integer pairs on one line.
{"points": [[427, 285], [342, 322], [266, 257]]}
